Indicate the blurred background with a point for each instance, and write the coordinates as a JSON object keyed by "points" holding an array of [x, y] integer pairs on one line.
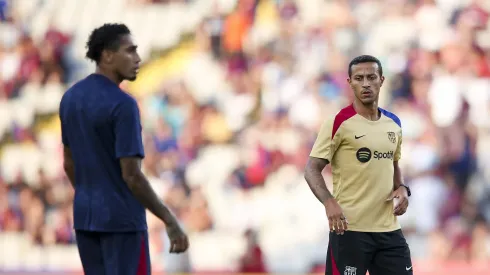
{"points": [[232, 94]]}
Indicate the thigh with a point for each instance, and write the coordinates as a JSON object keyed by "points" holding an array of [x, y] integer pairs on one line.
{"points": [[90, 250], [126, 253], [392, 256], [349, 254]]}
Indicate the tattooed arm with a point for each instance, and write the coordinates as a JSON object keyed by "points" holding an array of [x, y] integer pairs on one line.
{"points": [[314, 178]]}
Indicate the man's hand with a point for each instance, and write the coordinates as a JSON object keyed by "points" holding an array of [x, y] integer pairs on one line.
{"points": [[178, 239], [336, 218], [402, 205]]}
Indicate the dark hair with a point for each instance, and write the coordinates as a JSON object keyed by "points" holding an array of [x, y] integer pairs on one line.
{"points": [[106, 37], [365, 59]]}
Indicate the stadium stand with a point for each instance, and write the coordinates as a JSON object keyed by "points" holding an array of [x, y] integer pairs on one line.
{"points": [[231, 95]]}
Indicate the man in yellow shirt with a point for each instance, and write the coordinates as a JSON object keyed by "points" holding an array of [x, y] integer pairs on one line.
{"points": [[363, 144]]}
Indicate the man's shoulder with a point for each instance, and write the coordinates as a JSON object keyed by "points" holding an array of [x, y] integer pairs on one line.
{"points": [[82, 83], [77, 87], [341, 118], [68, 95], [125, 100], [391, 116], [125, 105], [94, 89]]}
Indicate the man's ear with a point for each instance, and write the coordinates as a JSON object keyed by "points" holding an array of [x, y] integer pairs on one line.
{"points": [[349, 80], [107, 56], [382, 78]]}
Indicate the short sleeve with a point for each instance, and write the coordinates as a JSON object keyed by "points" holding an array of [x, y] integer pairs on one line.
{"points": [[127, 130], [325, 144], [398, 152]]}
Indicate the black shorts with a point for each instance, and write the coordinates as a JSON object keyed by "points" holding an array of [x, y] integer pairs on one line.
{"points": [[354, 253], [125, 253]]}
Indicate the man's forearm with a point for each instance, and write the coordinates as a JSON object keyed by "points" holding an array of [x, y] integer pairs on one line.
{"points": [[144, 193], [317, 185]]}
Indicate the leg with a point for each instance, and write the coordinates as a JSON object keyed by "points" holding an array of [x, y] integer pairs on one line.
{"points": [[126, 253], [349, 254], [393, 255], [90, 251]]}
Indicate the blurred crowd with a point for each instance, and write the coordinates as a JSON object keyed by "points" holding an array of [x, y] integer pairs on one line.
{"points": [[31, 85], [226, 141]]}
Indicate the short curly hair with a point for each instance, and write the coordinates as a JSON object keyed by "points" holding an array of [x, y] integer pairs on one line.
{"points": [[106, 37]]}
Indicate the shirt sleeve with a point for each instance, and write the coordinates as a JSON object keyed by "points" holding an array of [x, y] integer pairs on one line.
{"points": [[127, 130], [325, 144], [398, 151]]}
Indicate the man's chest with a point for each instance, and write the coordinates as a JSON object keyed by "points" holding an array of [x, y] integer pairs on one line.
{"points": [[371, 142]]}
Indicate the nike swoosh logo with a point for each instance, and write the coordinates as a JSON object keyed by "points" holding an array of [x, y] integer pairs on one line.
{"points": [[408, 268], [358, 137]]}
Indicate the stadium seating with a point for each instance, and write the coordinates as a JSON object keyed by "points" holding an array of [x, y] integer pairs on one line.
{"points": [[244, 122]]}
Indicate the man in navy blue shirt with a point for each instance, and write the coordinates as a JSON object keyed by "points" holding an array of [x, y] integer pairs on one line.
{"points": [[3, 10], [103, 149]]}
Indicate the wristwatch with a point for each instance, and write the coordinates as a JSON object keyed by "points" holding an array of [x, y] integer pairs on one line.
{"points": [[408, 189]]}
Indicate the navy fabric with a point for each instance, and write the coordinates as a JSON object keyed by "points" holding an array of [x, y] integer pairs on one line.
{"points": [[100, 124]]}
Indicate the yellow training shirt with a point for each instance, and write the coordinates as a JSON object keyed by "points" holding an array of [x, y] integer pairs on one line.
{"points": [[361, 153]]}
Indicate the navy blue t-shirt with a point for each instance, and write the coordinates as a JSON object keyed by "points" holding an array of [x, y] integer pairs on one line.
{"points": [[100, 124]]}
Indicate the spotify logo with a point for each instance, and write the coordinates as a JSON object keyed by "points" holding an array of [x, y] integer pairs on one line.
{"points": [[363, 154]]}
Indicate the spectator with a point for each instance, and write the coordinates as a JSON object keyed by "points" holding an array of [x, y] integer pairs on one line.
{"points": [[227, 133]]}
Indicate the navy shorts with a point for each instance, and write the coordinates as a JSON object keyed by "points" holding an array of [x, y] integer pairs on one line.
{"points": [[354, 253], [124, 253]]}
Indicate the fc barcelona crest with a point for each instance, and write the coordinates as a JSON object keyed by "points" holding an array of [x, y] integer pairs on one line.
{"points": [[349, 270], [392, 137]]}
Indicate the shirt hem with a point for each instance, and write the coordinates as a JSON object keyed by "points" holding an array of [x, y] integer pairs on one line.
{"points": [[130, 155], [319, 157]]}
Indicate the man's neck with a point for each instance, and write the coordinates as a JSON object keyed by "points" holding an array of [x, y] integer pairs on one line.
{"points": [[370, 111], [110, 75]]}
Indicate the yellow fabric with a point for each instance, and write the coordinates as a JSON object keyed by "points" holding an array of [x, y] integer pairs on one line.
{"points": [[215, 128], [362, 179], [153, 74], [266, 13]]}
